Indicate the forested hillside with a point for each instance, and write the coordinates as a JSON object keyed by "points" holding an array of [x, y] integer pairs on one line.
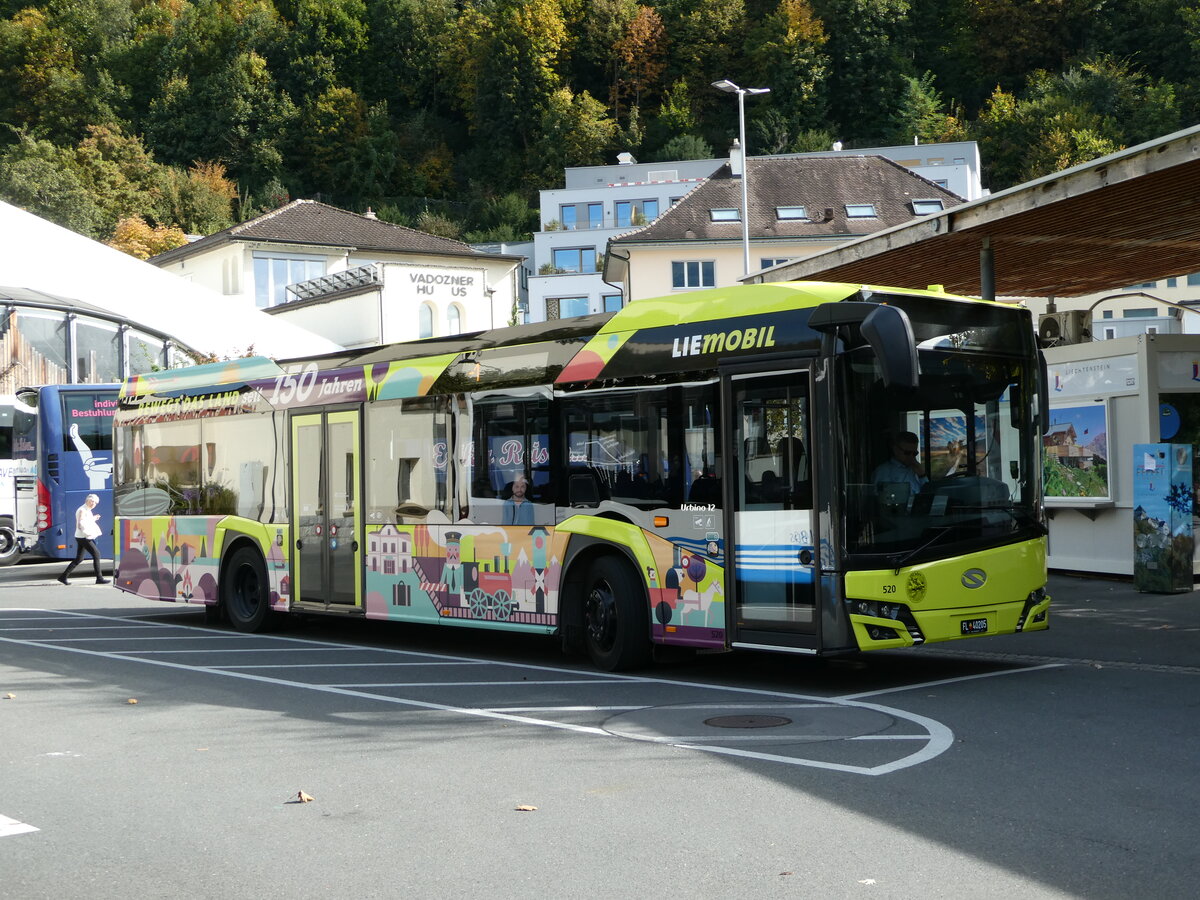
{"points": [[189, 115]]}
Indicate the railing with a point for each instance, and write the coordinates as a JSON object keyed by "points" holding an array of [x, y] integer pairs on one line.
{"points": [[336, 282]]}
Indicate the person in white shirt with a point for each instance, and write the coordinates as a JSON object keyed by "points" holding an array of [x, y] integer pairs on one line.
{"points": [[86, 532]]}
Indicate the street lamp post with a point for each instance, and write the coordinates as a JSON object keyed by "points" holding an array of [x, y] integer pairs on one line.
{"points": [[730, 88]]}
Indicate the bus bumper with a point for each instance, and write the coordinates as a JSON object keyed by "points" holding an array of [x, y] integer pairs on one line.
{"points": [[904, 627]]}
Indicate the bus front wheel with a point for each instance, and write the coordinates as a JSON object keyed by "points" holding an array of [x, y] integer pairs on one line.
{"points": [[245, 593], [10, 550], [616, 628]]}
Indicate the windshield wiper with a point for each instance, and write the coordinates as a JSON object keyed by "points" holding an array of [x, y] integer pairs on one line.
{"points": [[898, 560]]}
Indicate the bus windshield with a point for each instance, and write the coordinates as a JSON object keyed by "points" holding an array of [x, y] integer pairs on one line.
{"points": [[949, 466]]}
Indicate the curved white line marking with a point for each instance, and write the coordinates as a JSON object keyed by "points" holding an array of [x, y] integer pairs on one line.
{"points": [[938, 738]]}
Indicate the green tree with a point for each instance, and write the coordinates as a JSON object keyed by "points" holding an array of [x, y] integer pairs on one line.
{"points": [[922, 115], [575, 131], [45, 180], [236, 115], [326, 44], [120, 174], [1063, 119], [408, 60], [601, 24], [704, 38], [519, 75], [42, 86], [200, 200], [868, 46], [786, 52], [328, 135], [218, 98], [684, 146]]}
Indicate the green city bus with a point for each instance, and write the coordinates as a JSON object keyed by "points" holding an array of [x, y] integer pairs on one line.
{"points": [[698, 471]]}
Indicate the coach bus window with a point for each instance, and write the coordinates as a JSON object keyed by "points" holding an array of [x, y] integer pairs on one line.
{"points": [[511, 458], [620, 440], [407, 460], [169, 459], [701, 462], [240, 466], [87, 417]]}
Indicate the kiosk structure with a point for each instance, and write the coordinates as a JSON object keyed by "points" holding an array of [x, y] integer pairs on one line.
{"points": [[1105, 397]]}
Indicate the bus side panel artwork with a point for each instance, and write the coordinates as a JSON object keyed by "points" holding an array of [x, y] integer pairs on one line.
{"points": [[687, 594], [179, 559], [463, 574]]}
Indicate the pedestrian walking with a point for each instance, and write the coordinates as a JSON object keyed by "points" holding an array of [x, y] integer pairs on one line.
{"points": [[86, 532]]}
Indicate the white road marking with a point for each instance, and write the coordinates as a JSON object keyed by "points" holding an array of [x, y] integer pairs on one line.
{"points": [[928, 684], [430, 684], [938, 738], [350, 665], [9, 827]]}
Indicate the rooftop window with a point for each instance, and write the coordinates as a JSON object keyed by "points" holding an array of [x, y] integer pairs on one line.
{"points": [[860, 210], [790, 212], [927, 207], [725, 215]]}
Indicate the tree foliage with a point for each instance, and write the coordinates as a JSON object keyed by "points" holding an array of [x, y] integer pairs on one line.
{"points": [[194, 114]]}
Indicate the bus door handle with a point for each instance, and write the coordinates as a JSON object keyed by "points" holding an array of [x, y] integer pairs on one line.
{"points": [[806, 557], [354, 546], [299, 544]]}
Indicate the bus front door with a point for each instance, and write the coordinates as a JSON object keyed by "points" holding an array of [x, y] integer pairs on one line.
{"points": [[771, 517], [326, 499]]}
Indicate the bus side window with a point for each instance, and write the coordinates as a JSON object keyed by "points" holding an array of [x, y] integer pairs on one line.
{"points": [[511, 440]]}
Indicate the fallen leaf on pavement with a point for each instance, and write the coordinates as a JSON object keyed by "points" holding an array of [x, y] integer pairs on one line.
{"points": [[526, 809], [132, 701], [10, 696], [303, 797]]}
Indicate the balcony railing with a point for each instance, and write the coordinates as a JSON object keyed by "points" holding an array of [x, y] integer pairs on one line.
{"points": [[337, 282]]}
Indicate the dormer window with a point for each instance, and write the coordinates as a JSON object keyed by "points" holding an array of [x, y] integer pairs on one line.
{"points": [[927, 207], [790, 213], [860, 210], [725, 215]]}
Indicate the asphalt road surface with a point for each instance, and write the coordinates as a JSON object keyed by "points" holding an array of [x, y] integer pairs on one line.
{"points": [[451, 763]]}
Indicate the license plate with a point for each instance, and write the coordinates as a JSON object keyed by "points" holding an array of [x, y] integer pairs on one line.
{"points": [[974, 626]]}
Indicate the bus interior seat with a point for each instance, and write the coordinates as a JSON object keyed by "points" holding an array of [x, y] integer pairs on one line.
{"points": [[583, 489], [706, 489]]}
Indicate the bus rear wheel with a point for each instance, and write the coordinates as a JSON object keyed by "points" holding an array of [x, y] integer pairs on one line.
{"points": [[10, 550], [245, 593], [616, 628]]}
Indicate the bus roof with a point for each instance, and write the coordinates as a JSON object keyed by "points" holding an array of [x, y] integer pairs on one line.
{"points": [[576, 333]]}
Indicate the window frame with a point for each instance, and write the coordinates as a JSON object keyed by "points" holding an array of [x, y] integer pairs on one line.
{"points": [[705, 267]]}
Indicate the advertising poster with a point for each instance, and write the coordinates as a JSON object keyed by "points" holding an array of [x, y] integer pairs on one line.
{"points": [[1075, 452], [1163, 544]]}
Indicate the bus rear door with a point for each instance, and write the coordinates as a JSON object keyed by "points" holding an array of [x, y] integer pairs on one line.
{"points": [[770, 503], [326, 504]]}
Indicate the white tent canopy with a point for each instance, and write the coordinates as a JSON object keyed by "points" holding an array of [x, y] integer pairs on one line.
{"points": [[40, 255]]}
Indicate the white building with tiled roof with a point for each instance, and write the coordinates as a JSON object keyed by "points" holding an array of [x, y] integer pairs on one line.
{"points": [[353, 278], [798, 206], [596, 203]]}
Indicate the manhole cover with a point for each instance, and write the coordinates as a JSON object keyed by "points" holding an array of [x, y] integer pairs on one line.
{"points": [[747, 721]]}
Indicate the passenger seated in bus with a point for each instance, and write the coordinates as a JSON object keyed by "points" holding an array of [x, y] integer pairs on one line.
{"points": [[771, 487], [706, 489], [518, 510], [902, 467]]}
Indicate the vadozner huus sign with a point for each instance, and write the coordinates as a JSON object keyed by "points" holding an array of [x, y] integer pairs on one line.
{"points": [[445, 284]]}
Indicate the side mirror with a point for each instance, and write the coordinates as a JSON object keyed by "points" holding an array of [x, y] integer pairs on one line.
{"points": [[889, 332], [886, 328]]}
